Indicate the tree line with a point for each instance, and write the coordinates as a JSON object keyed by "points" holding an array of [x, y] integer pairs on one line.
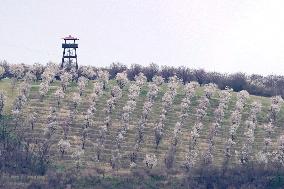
{"points": [[271, 85]]}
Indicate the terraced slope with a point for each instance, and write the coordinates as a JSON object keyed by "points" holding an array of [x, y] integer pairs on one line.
{"points": [[88, 161]]}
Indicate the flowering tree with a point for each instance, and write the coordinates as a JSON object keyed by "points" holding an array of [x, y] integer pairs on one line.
{"points": [[47, 77], [59, 95], [43, 89], [65, 79], [65, 127], [76, 100], [190, 88], [134, 155], [210, 89], [52, 116], [50, 71], [84, 136], [99, 147], [18, 72], [82, 81], [134, 91], [275, 108], [170, 157], [102, 133], [16, 116], [152, 92], [191, 159], [121, 79], [20, 101], [103, 77], [158, 80], [29, 77], [98, 89], [279, 152], [49, 129], [37, 69], [140, 79], [176, 134], [116, 93], [115, 160], [87, 71], [2, 102], [64, 146], [2, 71], [32, 119], [150, 161], [77, 156], [158, 133], [118, 139]]}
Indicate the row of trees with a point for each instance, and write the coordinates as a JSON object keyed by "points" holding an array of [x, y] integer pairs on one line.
{"points": [[201, 111], [127, 111], [167, 101], [216, 125], [267, 154], [18, 155], [177, 132], [271, 85], [246, 153], [153, 89], [235, 120]]}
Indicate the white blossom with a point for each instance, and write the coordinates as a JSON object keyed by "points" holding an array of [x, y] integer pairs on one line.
{"points": [[17, 70], [2, 71], [82, 81], [64, 146], [65, 79], [76, 99], [77, 156], [140, 79], [209, 89], [88, 71], [279, 153], [116, 92], [59, 95], [103, 77], [2, 102], [122, 79], [150, 161], [158, 80], [43, 89], [98, 88]]}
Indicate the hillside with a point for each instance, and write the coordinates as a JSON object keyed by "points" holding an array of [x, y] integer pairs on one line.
{"points": [[148, 146], [196, 136]]}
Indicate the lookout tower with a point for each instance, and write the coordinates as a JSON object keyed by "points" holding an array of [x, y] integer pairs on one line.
{"points": [[69, 57]]}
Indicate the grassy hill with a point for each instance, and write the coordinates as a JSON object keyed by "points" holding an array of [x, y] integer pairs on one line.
{"points": [[148, 146]]}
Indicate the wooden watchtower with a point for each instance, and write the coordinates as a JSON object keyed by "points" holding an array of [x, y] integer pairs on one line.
{"points": [[69, 57]]}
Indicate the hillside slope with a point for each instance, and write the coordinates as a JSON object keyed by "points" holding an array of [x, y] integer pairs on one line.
{"points": [[42, 108]]}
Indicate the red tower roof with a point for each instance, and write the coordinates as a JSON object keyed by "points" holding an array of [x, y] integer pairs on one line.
{"points": [[70, 38]]}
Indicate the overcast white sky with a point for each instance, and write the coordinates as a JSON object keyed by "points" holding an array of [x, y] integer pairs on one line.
{"points": [[217, 35]]}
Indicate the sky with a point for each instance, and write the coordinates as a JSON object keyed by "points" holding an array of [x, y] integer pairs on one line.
{"points": [[217, 35]]}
